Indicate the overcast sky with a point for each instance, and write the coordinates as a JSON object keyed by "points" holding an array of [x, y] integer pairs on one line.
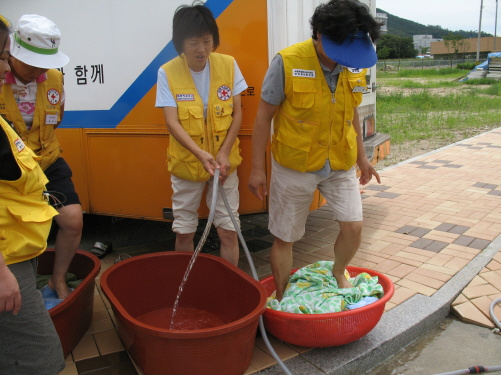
{"points": [[450, 14]]}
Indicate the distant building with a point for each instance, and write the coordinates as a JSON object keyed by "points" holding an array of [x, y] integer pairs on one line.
{"points": [[423, 41], [467, 48], [383, 18]]}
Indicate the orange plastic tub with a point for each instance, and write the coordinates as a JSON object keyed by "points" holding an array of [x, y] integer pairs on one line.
{"points": [[72, 317], [144, 285], [323, 330]]}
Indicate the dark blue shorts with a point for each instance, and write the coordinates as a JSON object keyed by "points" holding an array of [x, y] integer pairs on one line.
{"points": [[60, 187]]}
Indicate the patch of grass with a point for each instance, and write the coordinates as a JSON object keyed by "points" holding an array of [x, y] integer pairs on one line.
{"points": [[422, 125], [481, 81], [494, 89], [411, 84], [428, 73], [423, 116], [424, 101]]}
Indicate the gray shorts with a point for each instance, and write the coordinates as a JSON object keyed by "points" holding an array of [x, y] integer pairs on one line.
{"points": [[29, 344], [291, 194]]}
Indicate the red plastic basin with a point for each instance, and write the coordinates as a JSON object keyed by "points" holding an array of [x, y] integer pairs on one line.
{"points": [[73, 316], [147, 283], [332, 329]]}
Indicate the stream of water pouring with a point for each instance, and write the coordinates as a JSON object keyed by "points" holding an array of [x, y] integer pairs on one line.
{"points": [[249, 258], [198, 248]]}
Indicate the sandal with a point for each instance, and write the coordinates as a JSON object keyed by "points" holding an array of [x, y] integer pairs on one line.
{"points": [[101, 249]]}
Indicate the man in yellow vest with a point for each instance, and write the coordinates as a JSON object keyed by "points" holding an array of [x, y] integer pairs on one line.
{"points": [[28, 340], [32, 101], [311, 91], [199, 92]]}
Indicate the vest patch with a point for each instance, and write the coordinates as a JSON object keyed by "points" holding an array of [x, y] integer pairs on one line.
{"points": [[354, 70], [303, 73], [53, 96], [224, 92], [185, 97], [19, 145], [359, 89]]}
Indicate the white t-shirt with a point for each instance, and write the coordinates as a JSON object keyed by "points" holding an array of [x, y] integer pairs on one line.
{"points": [[202, 82]]}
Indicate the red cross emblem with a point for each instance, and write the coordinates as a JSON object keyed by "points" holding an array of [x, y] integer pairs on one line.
{"points": [[53, 96], [224, 92]]}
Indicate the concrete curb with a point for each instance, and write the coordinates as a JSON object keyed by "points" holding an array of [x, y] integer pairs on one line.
{"points": [[397, 328]]}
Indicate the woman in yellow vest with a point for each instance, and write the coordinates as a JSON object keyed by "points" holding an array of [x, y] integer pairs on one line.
{"points": [[32, 101], [311, 91], [28, 340], [199, 92]]}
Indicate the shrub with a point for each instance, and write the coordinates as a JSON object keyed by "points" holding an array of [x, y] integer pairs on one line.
{"points": [[466, 66]]}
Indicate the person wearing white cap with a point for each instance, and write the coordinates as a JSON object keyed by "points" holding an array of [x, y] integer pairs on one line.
{"points": [[29, 343], [32, 101], [311, 91]]}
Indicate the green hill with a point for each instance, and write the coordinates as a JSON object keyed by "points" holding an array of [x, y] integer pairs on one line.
{"points": [[402, 27]]}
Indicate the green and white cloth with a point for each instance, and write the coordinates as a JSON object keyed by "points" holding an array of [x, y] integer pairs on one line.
{"points": [[313, 290]]}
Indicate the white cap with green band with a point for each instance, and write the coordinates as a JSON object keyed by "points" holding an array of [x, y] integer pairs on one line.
{"points": [[35, 42]]}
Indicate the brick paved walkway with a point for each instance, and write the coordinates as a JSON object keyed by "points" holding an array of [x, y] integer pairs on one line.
{"points": [[426, 221]]}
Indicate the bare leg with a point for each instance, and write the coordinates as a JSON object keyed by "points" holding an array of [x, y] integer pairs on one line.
{"points": [[229, 245], [184, 242], [347, 244], [281, 264], [70, 222]]}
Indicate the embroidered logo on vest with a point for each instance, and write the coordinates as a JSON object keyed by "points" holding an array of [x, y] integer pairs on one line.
{"points": [[53, 96], [185, 97], [224, 93], [303, 73]]}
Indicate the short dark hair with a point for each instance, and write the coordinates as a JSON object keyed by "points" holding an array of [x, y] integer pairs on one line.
{"points": [[340, 19], [193, 21], [5, 28]]}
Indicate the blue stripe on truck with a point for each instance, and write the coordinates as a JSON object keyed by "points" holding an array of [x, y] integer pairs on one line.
{"points": [[110, 118]]}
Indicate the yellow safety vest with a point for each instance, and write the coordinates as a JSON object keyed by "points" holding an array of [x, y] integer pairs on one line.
{"points": [[210, 134], [41, 138], [312, 124], [25, 217]]}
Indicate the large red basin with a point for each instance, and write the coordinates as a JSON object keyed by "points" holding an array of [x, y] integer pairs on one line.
{"points": [[331, 329], [148, 283], [73, 316]]}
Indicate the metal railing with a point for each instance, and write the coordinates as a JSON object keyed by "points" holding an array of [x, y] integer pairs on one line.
{"points": [[423, 63]]}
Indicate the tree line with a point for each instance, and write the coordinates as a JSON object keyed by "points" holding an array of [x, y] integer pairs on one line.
{"points": [[401, 47]]}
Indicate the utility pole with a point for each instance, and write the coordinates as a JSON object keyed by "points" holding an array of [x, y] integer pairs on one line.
{"points": [[479, 31], [495, 25]]}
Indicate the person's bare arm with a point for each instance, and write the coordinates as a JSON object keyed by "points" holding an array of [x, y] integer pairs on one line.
{"points": [[260, 137], [10, 295], [223, 155], [366, 168]]}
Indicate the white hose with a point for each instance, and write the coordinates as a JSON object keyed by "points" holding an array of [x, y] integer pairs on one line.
{"points": [[480, 369], [254, 274], [201, 243], [491, 312], [472, 370]]}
